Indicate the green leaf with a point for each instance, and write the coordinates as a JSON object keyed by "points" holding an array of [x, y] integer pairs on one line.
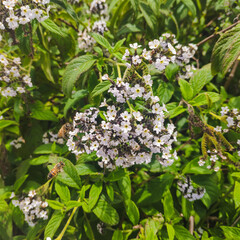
{"points": [[106, 213], [62, 191], [148, 15], [176, 111], [236, 194], [71, 171], [210, 182], [200, 78], [94, 194], [19, 182], [18, 217], [68, 7], [171, 231], [110, 192], [74, 70], [132, 211], [205, 99], [55, 204], [52, 27], [151, 192], [102, 41], [117, 235], [231, 233], [34, 231], [128, 28], [40, 160], [170, 71], [85, 169], [125, 187], [6, 123], [193, 167], [46, 65], [226, 50], [100, 88], [182, 233], [13, 129], [53, 224], [116, 175], [75, 98], [118, 45], [168, 205], [72, 204], [165, 92], [186, 89], [47, 149], [191, 6], [41, 113]]}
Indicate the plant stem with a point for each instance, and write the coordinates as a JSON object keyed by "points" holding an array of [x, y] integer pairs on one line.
{"points": [[215, 34], [68, 222]]}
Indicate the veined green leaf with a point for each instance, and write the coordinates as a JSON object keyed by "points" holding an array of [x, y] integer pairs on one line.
{"points": [[132, 211], [53, 27], [102, 41], [94, 194], [41, 113], [226, 50], [106, 213], [75, 98], [73, 71], [186, 89], [200, 78], [100, 88], [53, 224]]}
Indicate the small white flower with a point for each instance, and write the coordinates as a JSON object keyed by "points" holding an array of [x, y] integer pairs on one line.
{"points": [[224, 111], [135, 46], [136, 60], [12, 195], [105, 77]]}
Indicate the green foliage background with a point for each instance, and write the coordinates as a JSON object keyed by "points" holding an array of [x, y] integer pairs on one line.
{"points": [[141, 202]]}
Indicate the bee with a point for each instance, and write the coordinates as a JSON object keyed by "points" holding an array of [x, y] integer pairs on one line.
{"points": [[57, 168], [64, 130]]}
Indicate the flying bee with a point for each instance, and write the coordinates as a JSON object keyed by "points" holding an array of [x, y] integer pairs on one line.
{"points": [[57, 169], [64, 130]]}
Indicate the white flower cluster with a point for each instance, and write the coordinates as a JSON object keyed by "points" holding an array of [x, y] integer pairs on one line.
{"points": [[232, 119], [162, 52], [212, 161], [85, 41], [32, 207], [12, 80], [121, 135], [16, 13], [189, 191], [17, 143], [50, 137]]}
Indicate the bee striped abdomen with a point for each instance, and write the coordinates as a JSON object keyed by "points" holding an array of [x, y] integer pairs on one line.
{"points": [[57, 168]]}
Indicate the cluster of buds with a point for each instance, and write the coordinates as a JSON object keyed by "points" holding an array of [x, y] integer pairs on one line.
{"points": [[16, 13], [162, 52], [122, 134], [85, 41], [189, 191], [13, 81], [17, 143], [32, 207], [50, 137]]}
